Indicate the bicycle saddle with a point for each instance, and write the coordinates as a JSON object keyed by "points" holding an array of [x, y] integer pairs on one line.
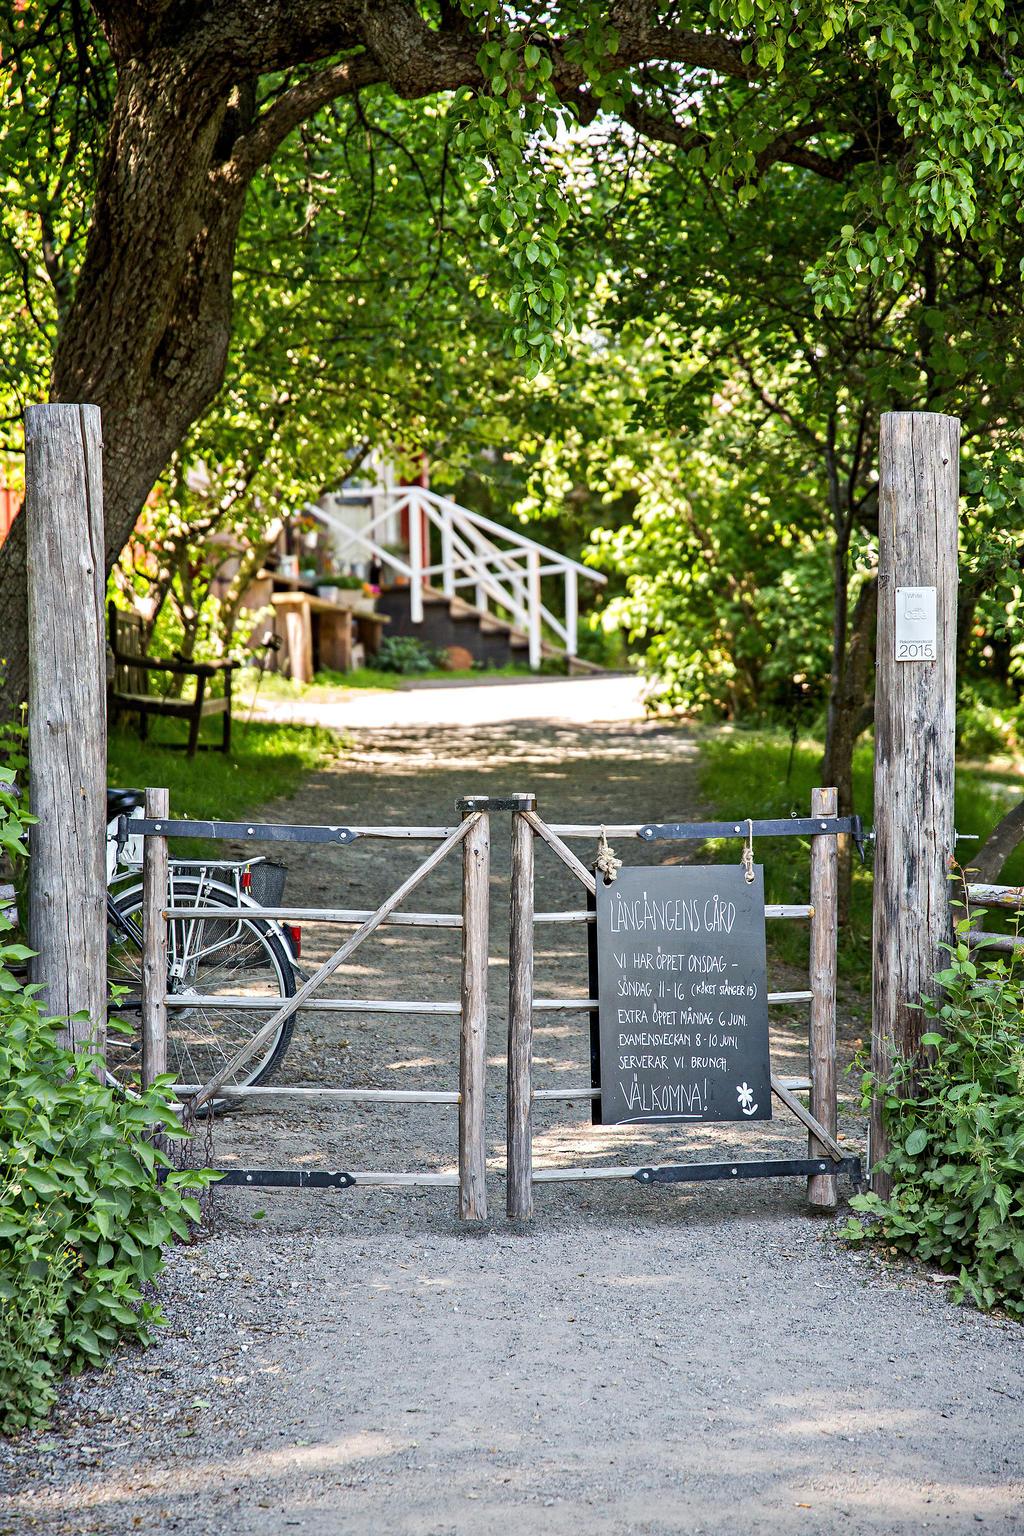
{"points": [[121, 802]]}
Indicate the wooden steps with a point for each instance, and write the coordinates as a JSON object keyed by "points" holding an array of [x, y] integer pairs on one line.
{"points": [[448, 621]]}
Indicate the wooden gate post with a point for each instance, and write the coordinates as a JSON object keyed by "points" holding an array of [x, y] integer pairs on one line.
{"points": [[476, 879], [154, 942], [915, 709], [67, 721], [823, 1188], [519, 1133]]}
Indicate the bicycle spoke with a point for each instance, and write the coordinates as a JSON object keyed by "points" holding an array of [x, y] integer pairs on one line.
{"points": [[227, 957]]}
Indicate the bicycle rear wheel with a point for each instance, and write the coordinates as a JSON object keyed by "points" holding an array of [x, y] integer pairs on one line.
{"points": [[209, 958]]}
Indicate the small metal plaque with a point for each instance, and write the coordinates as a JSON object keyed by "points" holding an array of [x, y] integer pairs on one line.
{"points": [[915, 624]]}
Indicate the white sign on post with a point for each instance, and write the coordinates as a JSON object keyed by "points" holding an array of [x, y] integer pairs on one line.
{"points": [[915, 624]]}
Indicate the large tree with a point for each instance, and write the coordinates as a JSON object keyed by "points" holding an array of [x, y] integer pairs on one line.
{"points": [[916, 111], [795, 392]]}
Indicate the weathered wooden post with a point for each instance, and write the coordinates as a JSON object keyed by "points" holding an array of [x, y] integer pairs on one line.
{"points": [[154, 942], [476, 879], [67, 715], [823, 1188], [915, 708], [519, 1135]]}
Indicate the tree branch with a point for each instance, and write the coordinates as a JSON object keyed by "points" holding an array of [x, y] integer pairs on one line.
{"points": [[257, 147]]}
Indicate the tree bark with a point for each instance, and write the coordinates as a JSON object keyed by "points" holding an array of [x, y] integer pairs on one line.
{"points": [[914, 750]]}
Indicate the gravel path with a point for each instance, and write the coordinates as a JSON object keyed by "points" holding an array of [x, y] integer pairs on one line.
{"points": [[675, 1360]]}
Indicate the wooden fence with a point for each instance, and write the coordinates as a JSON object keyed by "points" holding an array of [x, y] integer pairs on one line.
{"points": [[826, 1158]]}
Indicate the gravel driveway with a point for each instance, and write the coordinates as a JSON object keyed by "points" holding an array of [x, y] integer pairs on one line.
{"points": [[673, 1360]]}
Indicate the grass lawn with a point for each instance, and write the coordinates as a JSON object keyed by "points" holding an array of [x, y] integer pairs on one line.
{"points": [[744, 773], [265, 761]]}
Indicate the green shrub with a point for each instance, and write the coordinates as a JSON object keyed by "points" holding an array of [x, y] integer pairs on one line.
{"points": [[83, 1214], [957, 1156], [404, 654]]}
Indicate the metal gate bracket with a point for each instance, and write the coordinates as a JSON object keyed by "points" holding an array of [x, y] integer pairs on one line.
{"points": [[798, 1167]]}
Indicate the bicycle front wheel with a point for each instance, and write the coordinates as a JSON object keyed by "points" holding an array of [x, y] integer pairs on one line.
{"points": [[213, 963]]}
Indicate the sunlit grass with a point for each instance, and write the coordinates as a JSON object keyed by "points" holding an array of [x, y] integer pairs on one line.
{"points": [[265, 762], [748, 773]]}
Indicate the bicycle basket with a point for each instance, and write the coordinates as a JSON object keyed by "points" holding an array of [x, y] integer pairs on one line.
{"points": [[266, 884]]}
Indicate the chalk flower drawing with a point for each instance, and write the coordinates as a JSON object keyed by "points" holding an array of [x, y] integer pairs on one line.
{"points": [[746, 1098]]}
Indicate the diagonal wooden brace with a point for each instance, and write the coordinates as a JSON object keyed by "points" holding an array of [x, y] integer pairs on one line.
{"points": [[792, 1102], [566, 855], [290, 1004]]}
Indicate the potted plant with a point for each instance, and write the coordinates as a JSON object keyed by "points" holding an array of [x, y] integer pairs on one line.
{"points": [[347, 591]]}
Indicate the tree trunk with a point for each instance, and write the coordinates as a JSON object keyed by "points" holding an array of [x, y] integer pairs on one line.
{"points": [[147, 336]]}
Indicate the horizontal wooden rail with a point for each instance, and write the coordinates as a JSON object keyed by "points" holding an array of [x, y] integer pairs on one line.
{"points": [[572, 1175], [340, 915], [330, 1095], [774, 910], [584, 829], [397, 1180], [1011, 896], [1002, 942], [567, 1094], [310, 1004]]}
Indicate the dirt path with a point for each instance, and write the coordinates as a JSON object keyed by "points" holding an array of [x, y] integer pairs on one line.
{"points": [[689, 1359]]}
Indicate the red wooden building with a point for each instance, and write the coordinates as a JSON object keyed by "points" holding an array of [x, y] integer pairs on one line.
{"points": [[10, 501]]}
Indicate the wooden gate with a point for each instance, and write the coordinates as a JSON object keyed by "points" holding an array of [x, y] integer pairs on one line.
{"points": [[473, 835], [826, 1158]]}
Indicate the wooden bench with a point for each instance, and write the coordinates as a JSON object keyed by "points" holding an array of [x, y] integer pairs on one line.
{"points": [[128, 691]]}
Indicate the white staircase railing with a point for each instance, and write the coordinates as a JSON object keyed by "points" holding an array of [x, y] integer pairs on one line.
{"points": [[502, 567]]}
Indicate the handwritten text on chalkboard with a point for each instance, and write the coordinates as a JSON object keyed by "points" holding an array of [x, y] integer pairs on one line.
{"points": [[682, 988]]}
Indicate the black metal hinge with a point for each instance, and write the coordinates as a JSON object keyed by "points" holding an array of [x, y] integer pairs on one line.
{"points": [[277, 1178], [777, 826], [779, 1168], [250, 831]]}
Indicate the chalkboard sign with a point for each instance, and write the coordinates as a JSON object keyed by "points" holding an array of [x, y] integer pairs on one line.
{"points": [[682, 989]]}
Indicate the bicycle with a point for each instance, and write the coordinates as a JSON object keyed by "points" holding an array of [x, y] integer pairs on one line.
{"points": [[207, 957]]}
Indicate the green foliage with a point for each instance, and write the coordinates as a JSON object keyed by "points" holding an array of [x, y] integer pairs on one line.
{"points": [[406, 655], [747, 773], [956, 1121], [599, 640], [14, 819], [57, 83], [990, 718], [726, 582], [84, 1217]]}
